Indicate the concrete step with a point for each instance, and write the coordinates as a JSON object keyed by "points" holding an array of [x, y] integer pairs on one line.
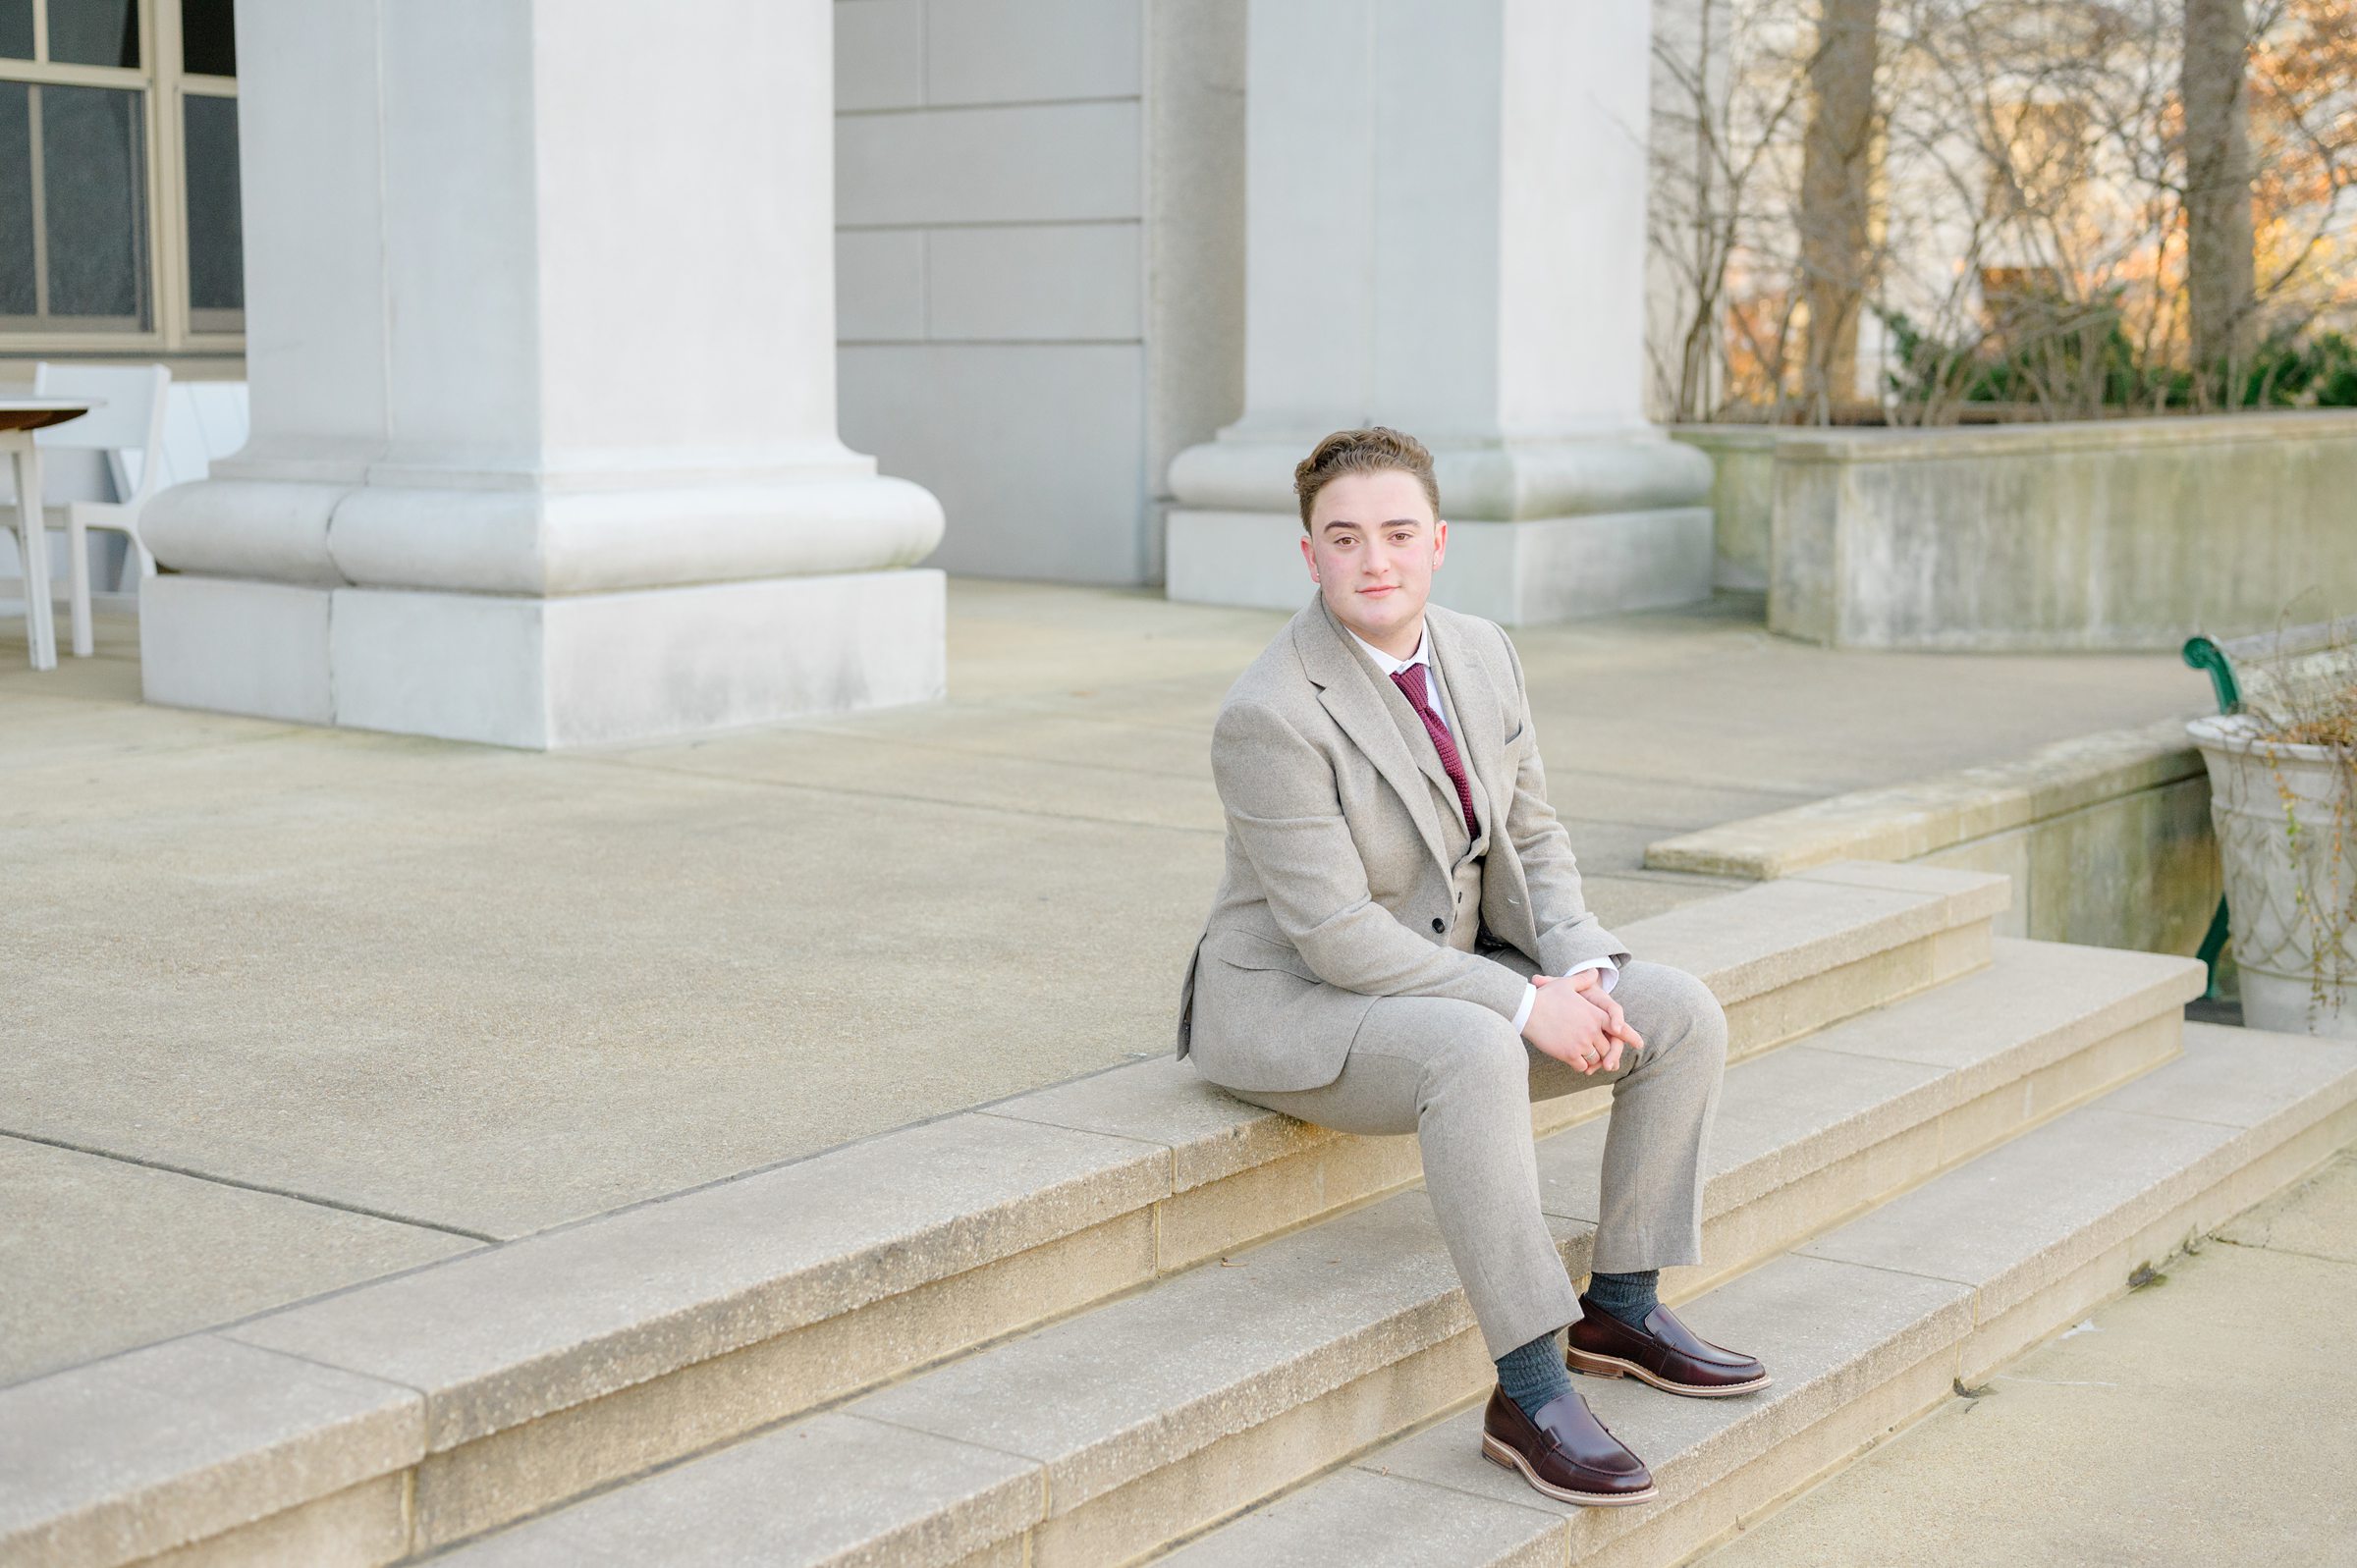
{"points": [[1151, 1415], [506, 1379], [1864, 1327]]}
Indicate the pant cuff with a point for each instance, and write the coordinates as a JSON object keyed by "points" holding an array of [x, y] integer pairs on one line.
{"points": [[1619, 1256], [1519, 1328]]}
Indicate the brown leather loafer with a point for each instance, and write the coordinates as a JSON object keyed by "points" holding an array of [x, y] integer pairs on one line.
{"points": [[1566, 1452], [1665, 1352]]}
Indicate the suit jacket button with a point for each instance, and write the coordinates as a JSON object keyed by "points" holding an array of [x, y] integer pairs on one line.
{"points": [[1435, 924]]}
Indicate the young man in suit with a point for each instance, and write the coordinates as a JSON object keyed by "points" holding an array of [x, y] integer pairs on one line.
{"points": [[1400, 945]]}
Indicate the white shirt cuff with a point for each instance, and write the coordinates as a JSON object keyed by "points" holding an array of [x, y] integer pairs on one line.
{"points": [[1530, 995], [1611, 971]]}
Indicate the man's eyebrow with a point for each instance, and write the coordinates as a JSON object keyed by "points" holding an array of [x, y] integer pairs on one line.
{"points": [[1396, 523]]}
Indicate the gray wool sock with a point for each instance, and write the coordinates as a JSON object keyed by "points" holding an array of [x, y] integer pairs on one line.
{"points": [[1627, 1297], [1534, 1373]]}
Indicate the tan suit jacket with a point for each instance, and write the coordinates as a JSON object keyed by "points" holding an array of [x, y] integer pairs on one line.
{"points": [[1338, 887]]}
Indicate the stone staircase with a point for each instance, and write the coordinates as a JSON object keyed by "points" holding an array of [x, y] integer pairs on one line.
{"points": [[1128, 1313], [1865, 1326]]}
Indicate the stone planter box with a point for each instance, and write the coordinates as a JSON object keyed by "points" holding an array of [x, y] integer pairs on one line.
{"points": [[1743, 498], [2102, 534], [2277, 878], [2073, 824]]}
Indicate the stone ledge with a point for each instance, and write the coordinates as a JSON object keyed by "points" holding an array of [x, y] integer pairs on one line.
{"points": [[2044, 437], [1135, 1410], [1859, 1347], [1381, 1516], [1868, 1081], [1824, 922], [1841, 1331], [2024, 1215], [1903, 822], [1972, 895], [496, 1340], [225, 1433], [949, 1500], [503, 1335]]}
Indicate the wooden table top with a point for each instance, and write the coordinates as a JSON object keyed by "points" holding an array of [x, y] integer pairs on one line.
{"points": [[33, 414]]}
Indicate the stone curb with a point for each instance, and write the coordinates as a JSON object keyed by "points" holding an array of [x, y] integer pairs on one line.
{"points": [[759, 1296], [1156, 1405], [1903, 822], [1875, 1321]]}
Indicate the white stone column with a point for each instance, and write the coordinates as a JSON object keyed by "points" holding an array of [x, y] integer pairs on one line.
{"points": [[1445, 233], [540, 344]]}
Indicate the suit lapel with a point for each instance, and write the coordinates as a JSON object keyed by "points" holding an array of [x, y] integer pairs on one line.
{"points": [[1349, 694]]}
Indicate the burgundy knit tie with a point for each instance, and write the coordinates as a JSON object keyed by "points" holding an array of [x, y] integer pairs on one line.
{"points": [[1411, 682]]}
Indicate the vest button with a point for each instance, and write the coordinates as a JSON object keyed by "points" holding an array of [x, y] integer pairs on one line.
{"points": [[1435, 924]]}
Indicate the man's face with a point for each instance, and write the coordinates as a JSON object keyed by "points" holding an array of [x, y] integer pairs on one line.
{"points": [[1373, 545]]}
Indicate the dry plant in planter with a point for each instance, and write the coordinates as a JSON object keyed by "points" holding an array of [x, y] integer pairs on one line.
{"points": [[2282, 794]]}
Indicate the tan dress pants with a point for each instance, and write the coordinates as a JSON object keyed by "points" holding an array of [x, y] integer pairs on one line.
{"points": [[1458, 1075]]}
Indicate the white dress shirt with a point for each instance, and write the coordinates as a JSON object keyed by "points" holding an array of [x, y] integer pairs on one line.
{"points": [[1432, 694]]}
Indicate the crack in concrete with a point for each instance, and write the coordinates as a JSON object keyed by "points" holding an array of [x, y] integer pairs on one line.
{"points": [[219, 1180]]}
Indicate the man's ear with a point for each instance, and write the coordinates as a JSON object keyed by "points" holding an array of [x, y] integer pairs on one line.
{"points": [[1310, 556], [1440, 540]]}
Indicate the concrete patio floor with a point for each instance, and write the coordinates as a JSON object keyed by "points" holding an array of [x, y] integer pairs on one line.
{"points": [[288, 1008], [2201, 1420]]}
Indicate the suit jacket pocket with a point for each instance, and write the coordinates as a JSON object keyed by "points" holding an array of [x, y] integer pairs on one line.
{"points": [[1248, 951]]}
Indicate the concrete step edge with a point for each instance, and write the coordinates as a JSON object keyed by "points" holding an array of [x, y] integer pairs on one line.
{"points": [[1914, 1334], [629, 1298], [1404, 1308]]}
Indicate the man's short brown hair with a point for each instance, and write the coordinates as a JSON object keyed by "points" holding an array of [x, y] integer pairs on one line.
{"points": [[1369, 451]]}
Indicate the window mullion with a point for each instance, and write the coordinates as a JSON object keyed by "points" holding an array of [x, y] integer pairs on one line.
{"points": [[167, 175], [161, 90], [72, 75], [40, 201]]}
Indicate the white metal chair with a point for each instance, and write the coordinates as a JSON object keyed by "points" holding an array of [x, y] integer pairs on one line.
{"points": [[131, 419], [202, 420]]}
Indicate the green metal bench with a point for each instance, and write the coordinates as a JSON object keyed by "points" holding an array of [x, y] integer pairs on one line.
{"points": [[2271, 673]]}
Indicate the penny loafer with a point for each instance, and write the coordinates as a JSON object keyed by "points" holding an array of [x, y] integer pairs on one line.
{"points": [[1565, 1452], [1664, 1352]]}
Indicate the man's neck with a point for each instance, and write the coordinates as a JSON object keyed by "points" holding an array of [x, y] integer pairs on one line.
{"points": [[1400, 644]]}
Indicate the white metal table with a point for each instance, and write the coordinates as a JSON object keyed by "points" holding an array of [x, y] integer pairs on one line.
{"points": [[20, 417]]}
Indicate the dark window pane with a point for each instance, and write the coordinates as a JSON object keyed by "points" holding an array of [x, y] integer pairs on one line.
{"points": [[93, 193], [216, 254], [208, 38], [16, 29], [18, 296], [94, 32]]}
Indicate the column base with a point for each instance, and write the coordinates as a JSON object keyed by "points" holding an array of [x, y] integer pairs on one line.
{"points": [[1526, 572], [546, 673]]}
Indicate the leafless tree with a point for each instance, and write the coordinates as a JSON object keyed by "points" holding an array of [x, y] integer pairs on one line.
{"points": [[1730, 91], [1838, 148], [2221, 285], [2025, 227]]}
